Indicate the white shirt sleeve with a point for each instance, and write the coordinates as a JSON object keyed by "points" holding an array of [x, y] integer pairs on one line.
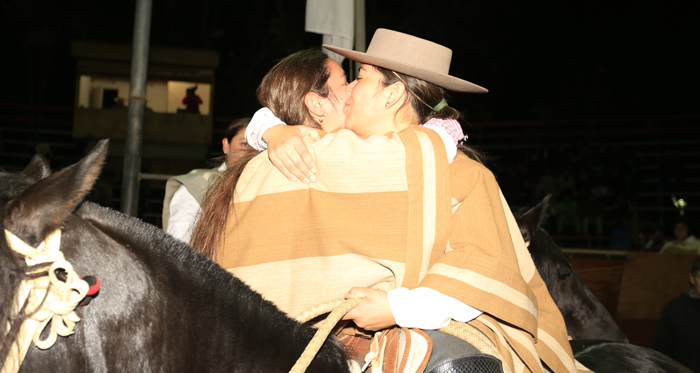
{"points": [[426, 308], [450, 145], [183, 214], [261, 121]]}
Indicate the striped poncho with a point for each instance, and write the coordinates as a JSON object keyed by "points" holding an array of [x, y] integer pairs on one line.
{"points": [[388, 212]]}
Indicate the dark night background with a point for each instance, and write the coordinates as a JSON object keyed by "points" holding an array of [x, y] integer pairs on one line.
{"points": [[581, 67], [540, 59]]}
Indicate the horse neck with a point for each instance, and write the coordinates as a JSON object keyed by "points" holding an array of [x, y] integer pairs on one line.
{"points": [[169, 263], [156, 249], [201, 298]]}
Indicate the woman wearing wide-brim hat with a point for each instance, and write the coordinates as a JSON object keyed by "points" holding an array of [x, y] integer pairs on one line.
{"points": [[422, 241], [410, 74]]}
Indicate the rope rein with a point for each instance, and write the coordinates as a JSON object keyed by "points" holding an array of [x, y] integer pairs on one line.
{"points": [[42, 299], [339, 308]]}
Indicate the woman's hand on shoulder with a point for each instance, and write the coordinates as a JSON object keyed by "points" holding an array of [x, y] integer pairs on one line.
{"points": [[374, 312], [288, 152]]}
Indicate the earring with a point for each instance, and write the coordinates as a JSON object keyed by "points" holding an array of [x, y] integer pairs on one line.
{"points": [[320, 119], [387, 104], [225, 153]]}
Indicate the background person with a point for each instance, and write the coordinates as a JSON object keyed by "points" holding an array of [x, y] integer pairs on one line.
{"points": [[685, 242], [184, 193], [678, 332], [192, 100]]}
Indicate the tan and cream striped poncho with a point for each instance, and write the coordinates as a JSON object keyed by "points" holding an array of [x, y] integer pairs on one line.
{"points": [[387, 212]]}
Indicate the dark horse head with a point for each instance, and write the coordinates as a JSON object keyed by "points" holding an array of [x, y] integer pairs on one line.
{"points": [[585, 316], [161, 307]]}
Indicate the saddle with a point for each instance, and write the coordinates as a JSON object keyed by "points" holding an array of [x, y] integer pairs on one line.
{"points": [[405, 350]]}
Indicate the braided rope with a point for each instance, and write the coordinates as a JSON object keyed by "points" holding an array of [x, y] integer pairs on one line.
{"points": [[339, 308], [44, 299], [318, 310]]}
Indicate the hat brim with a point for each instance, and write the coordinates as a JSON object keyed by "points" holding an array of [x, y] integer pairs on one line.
{"points": [[448, 82]]}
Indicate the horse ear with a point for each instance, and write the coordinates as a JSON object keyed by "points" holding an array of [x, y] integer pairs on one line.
{"points": [[37, 169], [530, 221], [543, 206], [44, 206]]}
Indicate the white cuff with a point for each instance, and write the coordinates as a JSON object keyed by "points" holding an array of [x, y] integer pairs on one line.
{"points": [[426, 308], [262, 121], [450, 146]]}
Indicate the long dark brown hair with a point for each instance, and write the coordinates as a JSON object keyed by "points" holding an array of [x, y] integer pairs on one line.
{"points": [[423, 97], [211, 223], [282, 90]]}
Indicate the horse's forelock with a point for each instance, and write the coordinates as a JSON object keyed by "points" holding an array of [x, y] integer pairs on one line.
{"points": [[545, 252], [11, 186], [550, 262]]}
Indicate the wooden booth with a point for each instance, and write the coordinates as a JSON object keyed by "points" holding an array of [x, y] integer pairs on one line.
{"points": [[172, 129]]}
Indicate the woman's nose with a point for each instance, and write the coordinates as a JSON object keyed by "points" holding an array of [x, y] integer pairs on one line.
{"points": [[351, 86]]}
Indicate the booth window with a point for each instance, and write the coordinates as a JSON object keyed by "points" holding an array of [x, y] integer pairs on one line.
{"points": [[162, 96]]}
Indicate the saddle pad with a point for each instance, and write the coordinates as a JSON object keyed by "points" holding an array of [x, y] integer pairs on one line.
{"points": [[399, 350]]}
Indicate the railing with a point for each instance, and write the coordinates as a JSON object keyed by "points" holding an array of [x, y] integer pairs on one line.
{"points": [[161, 177], [595, 253], [598, 242], [602, 243]]}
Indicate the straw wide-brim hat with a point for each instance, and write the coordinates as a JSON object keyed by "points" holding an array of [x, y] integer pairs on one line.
{"points": [[412, 56]]}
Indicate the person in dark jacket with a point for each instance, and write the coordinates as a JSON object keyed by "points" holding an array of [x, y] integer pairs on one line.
{"points": [[678, 333]]}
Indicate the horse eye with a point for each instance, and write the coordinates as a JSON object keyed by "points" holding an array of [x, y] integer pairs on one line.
{"points": [[564, 274]]}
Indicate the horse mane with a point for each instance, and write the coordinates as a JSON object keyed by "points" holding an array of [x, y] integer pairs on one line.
{"points": [[13, 267], [170, 256], [151, 243], [12, 274], [623, 357]]}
